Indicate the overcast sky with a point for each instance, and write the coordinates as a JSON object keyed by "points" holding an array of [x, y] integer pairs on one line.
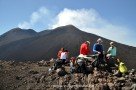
{"points": [[112, 19]]}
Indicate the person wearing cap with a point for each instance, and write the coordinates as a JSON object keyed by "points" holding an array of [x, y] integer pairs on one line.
{"points": [[122, 68], [111, 55], [84, 48], [98, 49], [111, 51]]}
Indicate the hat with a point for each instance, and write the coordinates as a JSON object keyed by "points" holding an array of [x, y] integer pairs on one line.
{"points": [[99, 40], [121, 63], [111, 43], [88, 42]]}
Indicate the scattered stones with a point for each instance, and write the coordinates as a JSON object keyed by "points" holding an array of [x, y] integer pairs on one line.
{"points": [[42, 63], [1, 67], [29, 76], [33, 72], [18, 78]]}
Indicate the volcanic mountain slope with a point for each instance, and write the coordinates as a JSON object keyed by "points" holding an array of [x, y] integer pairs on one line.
{"points": [[16, 34], [46, 46], [44, 32]]}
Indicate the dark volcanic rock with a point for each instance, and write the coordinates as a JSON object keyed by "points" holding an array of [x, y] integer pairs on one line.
{"points": [[12, 78]]}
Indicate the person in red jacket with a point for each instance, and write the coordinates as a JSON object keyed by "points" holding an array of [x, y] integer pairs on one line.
{"points": [[84, 48]]}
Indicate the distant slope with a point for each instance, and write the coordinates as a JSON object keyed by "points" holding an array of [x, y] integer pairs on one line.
{"points": [[44, 32], [16, 34], [46, 46]]}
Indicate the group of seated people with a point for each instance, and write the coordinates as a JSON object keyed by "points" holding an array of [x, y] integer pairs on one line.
{"points": [[79, 64], [98, 49]]}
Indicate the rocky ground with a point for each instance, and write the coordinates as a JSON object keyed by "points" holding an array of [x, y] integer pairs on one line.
{"points": [[35, 76]]}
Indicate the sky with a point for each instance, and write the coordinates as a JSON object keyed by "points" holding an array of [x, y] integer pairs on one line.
{"points": [[112, 19]]}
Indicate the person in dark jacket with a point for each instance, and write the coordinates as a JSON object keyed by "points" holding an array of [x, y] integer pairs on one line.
{"points": [[98, 49]]}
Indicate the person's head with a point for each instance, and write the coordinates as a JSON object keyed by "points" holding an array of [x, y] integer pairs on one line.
{"points": [[118, 60], [72, 59], [111, 43], [62, 49], [65, 50], [87, 42], [99, 40]]}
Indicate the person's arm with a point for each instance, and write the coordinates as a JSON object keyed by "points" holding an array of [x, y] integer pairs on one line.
{"points": [[94, 48], [87, 49], [59, 54], [115, 51], [109, 50], [81, 49]]}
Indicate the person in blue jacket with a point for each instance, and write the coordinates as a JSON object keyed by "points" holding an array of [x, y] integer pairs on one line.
{"points": [[98, 49]]}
